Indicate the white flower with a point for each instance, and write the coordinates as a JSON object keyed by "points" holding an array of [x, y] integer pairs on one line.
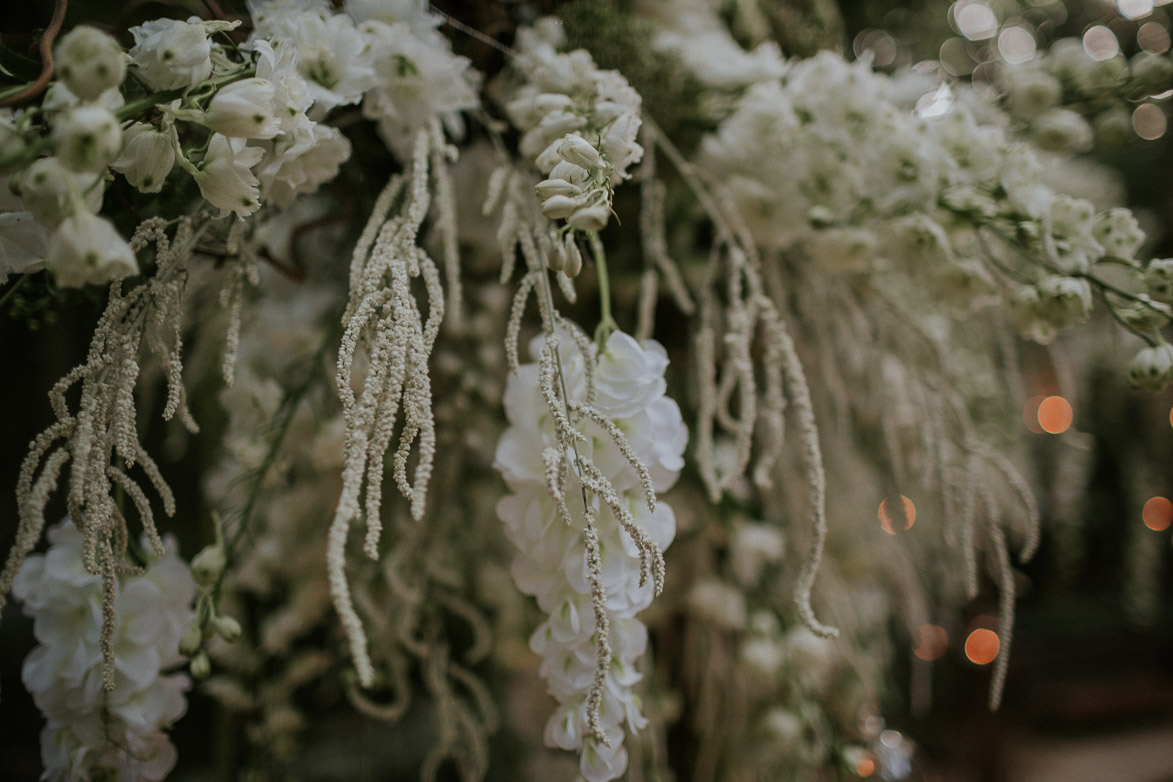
{"points": [[90, 733], [577, 150], [52, 192], [225, 178], [416, 79], [59, 97], [87, 138], [244, 109], [1068, 235], [333, 56], [1158, 279], [1063, 130], [23, 244], [87, 249], [1152, 368], [147, 157], [300, 161], [90, 62], [1119, 233], [291, 96], [172, 54]]}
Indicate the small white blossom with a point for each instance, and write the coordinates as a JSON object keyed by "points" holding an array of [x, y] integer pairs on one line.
{"points": [[225, 177], [244, 109], [87, 138], [1158, 279], [23, 244], [147, 157], [172, 54], [88, 250], [90, 62], [1152, 368], [52, 192]]}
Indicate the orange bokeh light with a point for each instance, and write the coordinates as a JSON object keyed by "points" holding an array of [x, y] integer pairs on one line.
{"points": [[887, 518], [1055, 415], [932, 643], [866, 767], [1158, 514], [982, 646]]}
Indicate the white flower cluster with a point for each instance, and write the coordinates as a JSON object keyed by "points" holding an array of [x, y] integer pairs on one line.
{"points": [[1056, 93], [388, 55], [829, 162], [552, 565], [89, 730], [579, 127]]}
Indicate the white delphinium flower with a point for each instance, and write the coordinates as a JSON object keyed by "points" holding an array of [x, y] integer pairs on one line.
{"points": [[148, 156], [333, 55], [300, 161], [87, 138], [225, 177], [551, 564], [90, 732], [52, 192], [291, 95], [172, 54], [244, 109], [90, 62], [416, 79], [88, 250]]}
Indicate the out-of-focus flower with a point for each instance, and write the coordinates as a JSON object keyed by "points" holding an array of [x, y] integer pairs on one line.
{"points": [[87, 138], [90, 62], [52, 192], [87, 249]]}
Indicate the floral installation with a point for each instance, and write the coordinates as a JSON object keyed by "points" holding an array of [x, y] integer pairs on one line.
{"points": [[761, 291]]}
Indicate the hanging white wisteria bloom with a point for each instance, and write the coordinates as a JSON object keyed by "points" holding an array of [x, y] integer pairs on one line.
{"points": [[554, 563], [90, 731]]}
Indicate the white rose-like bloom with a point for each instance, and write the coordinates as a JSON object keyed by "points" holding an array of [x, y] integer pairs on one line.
{"points": [[244, 109], [225, 177], [88, 731], [551, 562], [90, 62], [88, 250], [87, 138], [301, 160], [147, 157], [52, 192], [171, 54]]}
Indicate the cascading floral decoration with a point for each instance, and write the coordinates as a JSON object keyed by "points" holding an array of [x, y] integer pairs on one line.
{"points": [[808, 240]]}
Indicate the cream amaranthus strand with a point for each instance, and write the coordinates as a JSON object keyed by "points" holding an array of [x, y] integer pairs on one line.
{"points": [[383, 319], [101, 438]]}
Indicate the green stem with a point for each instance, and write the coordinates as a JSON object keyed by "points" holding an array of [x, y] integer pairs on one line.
{"points": [[607, 323], [11, 290]]}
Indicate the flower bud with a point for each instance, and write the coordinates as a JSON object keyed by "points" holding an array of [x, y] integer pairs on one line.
{"points": [[207, 565], [573, 257], [90, 62], [227, 628], [590, 218], [200, 666], [1152, 368], [557, 207], [1158, 278], [191, 641], [86, 249], [556, 260], [87, 138], [556, 187], [579, 151]]}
